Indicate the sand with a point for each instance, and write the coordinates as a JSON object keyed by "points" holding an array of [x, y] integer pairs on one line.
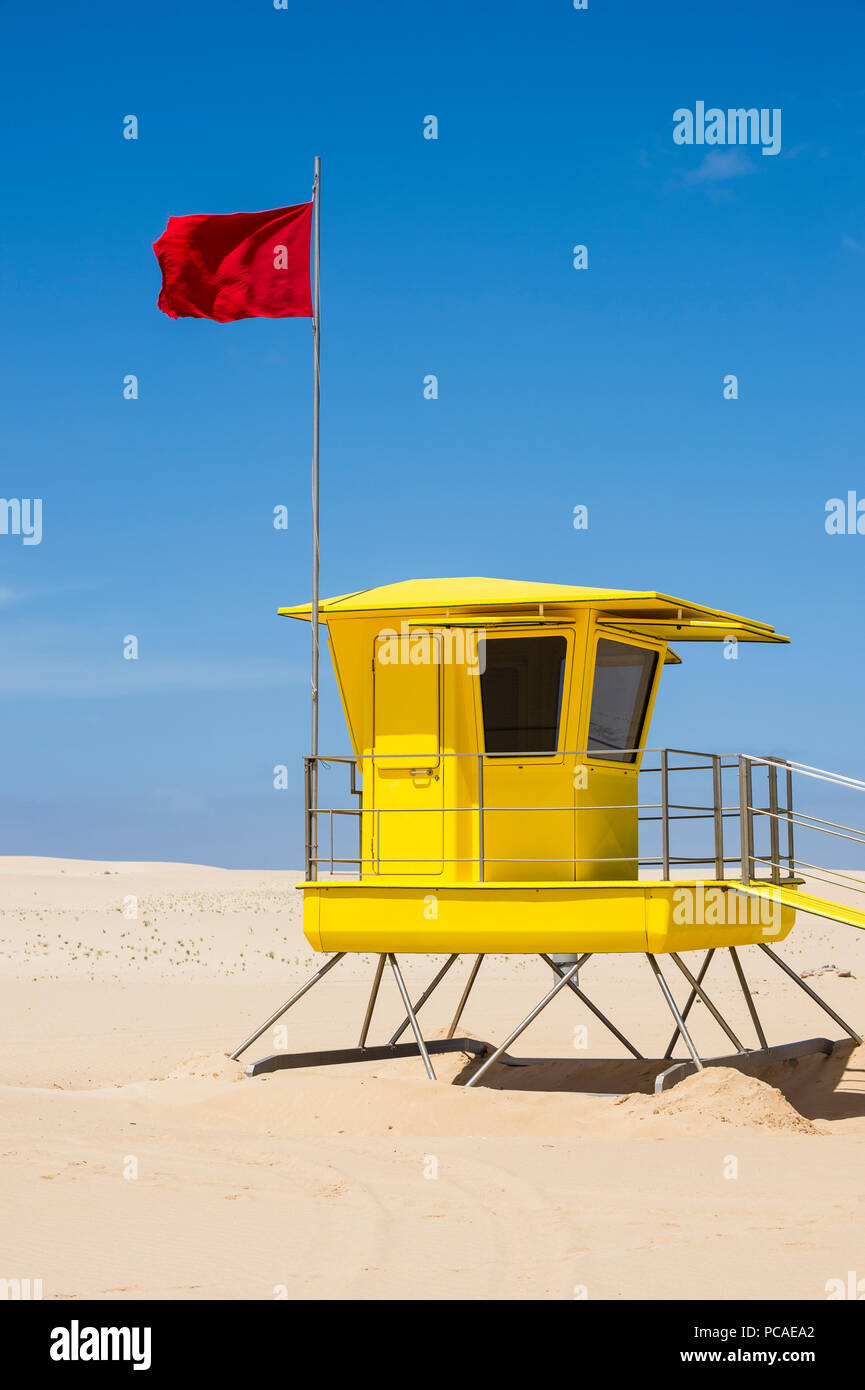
{"points": [[139, 1161]]}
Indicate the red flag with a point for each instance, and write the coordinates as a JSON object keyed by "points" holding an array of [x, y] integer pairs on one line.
{"points": [[241, 265]]}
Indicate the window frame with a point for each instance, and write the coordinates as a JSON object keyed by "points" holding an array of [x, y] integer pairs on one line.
{"points": [[599, 633], [501, 633]]}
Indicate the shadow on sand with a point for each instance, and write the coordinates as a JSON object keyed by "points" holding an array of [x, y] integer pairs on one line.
{"points": [[819, 1086]]}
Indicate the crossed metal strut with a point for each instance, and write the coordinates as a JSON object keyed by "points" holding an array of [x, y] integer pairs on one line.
{"points": [[565, 978]]}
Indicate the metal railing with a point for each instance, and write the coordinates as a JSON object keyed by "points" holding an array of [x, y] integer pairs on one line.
{"points": [[783, 821], [738, 851]]}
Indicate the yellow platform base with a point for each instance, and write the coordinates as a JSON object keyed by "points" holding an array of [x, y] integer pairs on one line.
{"points": [[526, 918]]}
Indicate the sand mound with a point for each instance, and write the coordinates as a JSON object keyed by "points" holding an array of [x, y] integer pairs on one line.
{"points": [[208, 1065], [722, 1095]]}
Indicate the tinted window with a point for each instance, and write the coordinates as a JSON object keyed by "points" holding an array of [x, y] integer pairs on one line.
{"points": [[620, 696], [521, 693]]}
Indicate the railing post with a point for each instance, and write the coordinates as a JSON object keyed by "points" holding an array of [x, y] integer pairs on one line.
{"points": [[480, 817], [746, 819], [774, 824], [665, 813], [718, 814], [354, 790], [791, 850], [307, 820]]}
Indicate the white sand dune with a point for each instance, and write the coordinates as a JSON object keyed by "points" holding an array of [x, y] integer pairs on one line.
{"points": [[125, 986]]}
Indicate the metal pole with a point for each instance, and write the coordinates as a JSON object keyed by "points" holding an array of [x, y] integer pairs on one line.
{"points": [[717, 807], [745, 823], [372, 998], [414, 1024], [559, 970], [695, 985], [307, 853], [480, 817], [466, 992], [298, 994], [809, 991], [752, 1008], [683, 1027], [665, 812], [774, 825], [424, 997], [691, 998], [316, 402], [521, 1027], [791, 853]]}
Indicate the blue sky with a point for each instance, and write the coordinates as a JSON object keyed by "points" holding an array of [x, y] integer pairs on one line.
{"points": [[453, 257]]}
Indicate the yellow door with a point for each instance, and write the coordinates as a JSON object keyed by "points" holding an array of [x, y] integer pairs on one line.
{"points": [[408, 782], [528, 789]]}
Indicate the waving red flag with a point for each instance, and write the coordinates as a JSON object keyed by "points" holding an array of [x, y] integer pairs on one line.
{"points": [[241, 265]]}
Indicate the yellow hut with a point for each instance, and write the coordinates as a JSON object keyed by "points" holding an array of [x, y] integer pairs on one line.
{"points": [[498, 734]]}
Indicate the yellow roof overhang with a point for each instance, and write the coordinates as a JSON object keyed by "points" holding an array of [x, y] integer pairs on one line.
{"points": [[637, 612], [694, 630]]}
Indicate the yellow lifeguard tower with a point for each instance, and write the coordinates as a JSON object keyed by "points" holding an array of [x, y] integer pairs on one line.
{"points": [[498, 737]]}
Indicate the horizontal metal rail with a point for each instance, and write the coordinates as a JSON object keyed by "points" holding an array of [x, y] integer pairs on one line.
{"points": [[782, 862], [817, 870], [531, 859], [822, 828], [805, 770], [447, 810]]}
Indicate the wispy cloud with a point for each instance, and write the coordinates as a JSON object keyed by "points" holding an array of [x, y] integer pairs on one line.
{"points": [[720, 166], [12, 595], [69, 666], [806, 147]]}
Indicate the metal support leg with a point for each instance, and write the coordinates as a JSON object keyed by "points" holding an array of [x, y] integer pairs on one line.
{"points": [[521, 1028], [752, 1008], [809, 991], [412, 1020], [558, 970], [372, 998], [298, 994], [721, 1022], [683, 1027], [466, 992], [424, 997], [691, 998]]}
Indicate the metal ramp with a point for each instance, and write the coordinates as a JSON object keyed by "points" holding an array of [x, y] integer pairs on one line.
{"points": [[806, 902]]}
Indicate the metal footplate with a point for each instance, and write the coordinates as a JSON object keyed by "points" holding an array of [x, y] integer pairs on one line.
{"points": [[333, 1057], [747, 1062]]}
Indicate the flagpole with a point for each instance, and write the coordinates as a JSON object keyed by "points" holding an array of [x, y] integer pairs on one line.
{"points": [[316, 401]]}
